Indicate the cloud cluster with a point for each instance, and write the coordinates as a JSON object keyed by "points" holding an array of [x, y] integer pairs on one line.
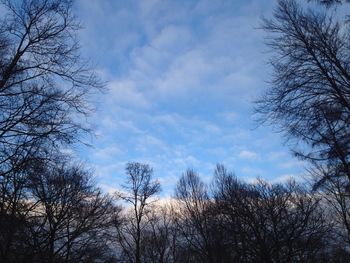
{"points": [[182, 77]]}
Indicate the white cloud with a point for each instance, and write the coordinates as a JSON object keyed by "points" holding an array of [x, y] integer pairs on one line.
{"points": [[229, 116], [212, 129], [249, 155], [284, 178], [172, 39], [182, 77], [108, 153], [150, 143], [251, 172], [148, 5], [274, 156], [292, 164], [124, 93], [109, 189]]}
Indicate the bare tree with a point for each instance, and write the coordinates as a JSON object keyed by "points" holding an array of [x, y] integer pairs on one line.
{"points": [[229, 194], [60, 216], [13, 216], [310, 95], [194, 217], [160, 237], [329, 3], [336, 194], [43, 80], [139, 192], [44, 84], [270, 223], [72, 216]]}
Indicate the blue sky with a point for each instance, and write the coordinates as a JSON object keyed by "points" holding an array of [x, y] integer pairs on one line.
{"points": [[182, 77]]}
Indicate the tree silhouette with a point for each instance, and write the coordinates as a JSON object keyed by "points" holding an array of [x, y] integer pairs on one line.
{"points": [[43, 80], [139, 192], [309, 99]]}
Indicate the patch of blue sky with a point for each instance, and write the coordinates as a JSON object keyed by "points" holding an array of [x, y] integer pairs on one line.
{"points": [[182, 77]]}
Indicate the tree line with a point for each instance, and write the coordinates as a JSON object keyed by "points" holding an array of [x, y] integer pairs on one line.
{"points": [[61, 216], [52, 210]]}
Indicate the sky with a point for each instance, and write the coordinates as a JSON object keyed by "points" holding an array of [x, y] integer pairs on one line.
{"points": [[182, 77]]}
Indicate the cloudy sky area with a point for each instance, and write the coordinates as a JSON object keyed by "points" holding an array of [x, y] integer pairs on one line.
{"points": [[182, 76]]}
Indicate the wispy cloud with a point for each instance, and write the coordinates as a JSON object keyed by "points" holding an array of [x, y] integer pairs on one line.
{"points": [[182, 76], [249, 155]]}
